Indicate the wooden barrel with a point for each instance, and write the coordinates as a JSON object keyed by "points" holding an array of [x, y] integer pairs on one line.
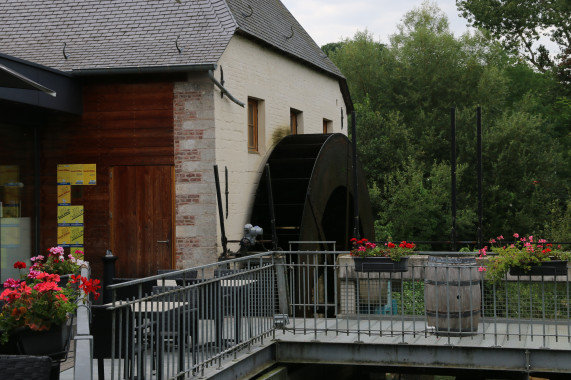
{"points": [[452, 295]]}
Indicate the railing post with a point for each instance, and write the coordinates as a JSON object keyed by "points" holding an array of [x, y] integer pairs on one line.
{"points": [[108, 275], [283, 289]]}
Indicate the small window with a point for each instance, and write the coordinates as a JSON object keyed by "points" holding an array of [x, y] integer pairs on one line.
{"points": [[295, 121], [326, 126], [252, 125]]}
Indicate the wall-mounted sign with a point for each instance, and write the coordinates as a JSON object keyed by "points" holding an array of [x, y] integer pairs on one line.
{"points": [[9, 174], [76, 236], [63, 174], [89, 174], [64, 236], [70, 218], [76, 216], [64, 195], [77, 174]]}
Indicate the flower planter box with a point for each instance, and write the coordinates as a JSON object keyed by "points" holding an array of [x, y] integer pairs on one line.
{"points": [[380, 264], [547, 268], [53, 342]]}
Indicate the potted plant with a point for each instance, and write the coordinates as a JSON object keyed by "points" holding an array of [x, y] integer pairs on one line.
{"points": [[56, 262], [37, 312], [524, 256], [390, 257]]}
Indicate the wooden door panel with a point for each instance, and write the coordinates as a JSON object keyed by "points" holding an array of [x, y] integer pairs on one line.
{"points": [[142, 217]]}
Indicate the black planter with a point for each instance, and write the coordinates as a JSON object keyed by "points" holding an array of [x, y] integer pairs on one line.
{"points": [[63, 280], [53, 342], [380, 264], [547, 268]]}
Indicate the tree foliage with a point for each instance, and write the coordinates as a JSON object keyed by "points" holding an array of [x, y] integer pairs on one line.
{"points": [[403, 93], [519, 24]]}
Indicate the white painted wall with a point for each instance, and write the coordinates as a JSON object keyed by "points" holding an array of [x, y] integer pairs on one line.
{"points": [[281, 83]]}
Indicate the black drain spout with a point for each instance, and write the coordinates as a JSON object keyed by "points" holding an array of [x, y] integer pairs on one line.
{"points": [[355, 177], [221, 214]]}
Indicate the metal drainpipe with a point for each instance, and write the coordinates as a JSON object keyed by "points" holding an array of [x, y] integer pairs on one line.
{"points": [[224, 91]]}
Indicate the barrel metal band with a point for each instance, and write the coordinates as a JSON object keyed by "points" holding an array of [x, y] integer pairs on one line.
{"points": [[453, 314], [451, 283]]}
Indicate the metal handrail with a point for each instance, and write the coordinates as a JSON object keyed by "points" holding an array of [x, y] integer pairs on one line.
{"points": [[244, 307]]}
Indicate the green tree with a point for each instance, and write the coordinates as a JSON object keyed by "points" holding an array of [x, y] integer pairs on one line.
{"points": [[367, 64], [403, 93], [519, 24]]}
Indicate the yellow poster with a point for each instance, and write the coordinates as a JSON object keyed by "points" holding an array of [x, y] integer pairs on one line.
{"points": [[76, 234], [64, 236], [63, 174], [76, 215], [76, 174], [64, 195], [89, 174], [9, 174], [64, 215]]}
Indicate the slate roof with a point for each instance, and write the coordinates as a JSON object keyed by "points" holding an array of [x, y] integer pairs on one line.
{"points": [[271, 22], [114, 34]]}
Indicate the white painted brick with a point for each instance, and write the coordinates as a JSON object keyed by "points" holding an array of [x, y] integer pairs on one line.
{"points": [[185, 231]]}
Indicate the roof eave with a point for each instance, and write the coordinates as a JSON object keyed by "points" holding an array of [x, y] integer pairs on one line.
{"points": [[99, 71]]}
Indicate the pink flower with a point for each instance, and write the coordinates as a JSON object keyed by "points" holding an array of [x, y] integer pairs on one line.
{"points": [[516, 235], [501, 237], [33, 273], [11, 283], [481, 269], [541, 241], [492, 241], [531, 238], [56, 251]]}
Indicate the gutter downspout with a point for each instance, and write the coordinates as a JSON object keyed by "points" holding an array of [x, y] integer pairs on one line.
{"points": [[224, 91]]}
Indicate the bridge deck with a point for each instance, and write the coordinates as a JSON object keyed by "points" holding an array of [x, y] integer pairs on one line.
{"points": [[489, 334]]}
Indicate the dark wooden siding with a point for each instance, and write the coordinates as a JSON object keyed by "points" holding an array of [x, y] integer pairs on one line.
{"points": [[124, 123]]}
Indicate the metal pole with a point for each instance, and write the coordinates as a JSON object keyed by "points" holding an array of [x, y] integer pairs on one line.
{"points": [[453, 171], [480, 187], [226, 184], [220, 213], [355, 184]]}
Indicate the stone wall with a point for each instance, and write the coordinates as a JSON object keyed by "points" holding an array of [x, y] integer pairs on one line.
{"points": [[195, 208]]}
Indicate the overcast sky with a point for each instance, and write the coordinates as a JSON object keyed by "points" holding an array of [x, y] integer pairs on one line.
{"points": [[333, 20]]}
